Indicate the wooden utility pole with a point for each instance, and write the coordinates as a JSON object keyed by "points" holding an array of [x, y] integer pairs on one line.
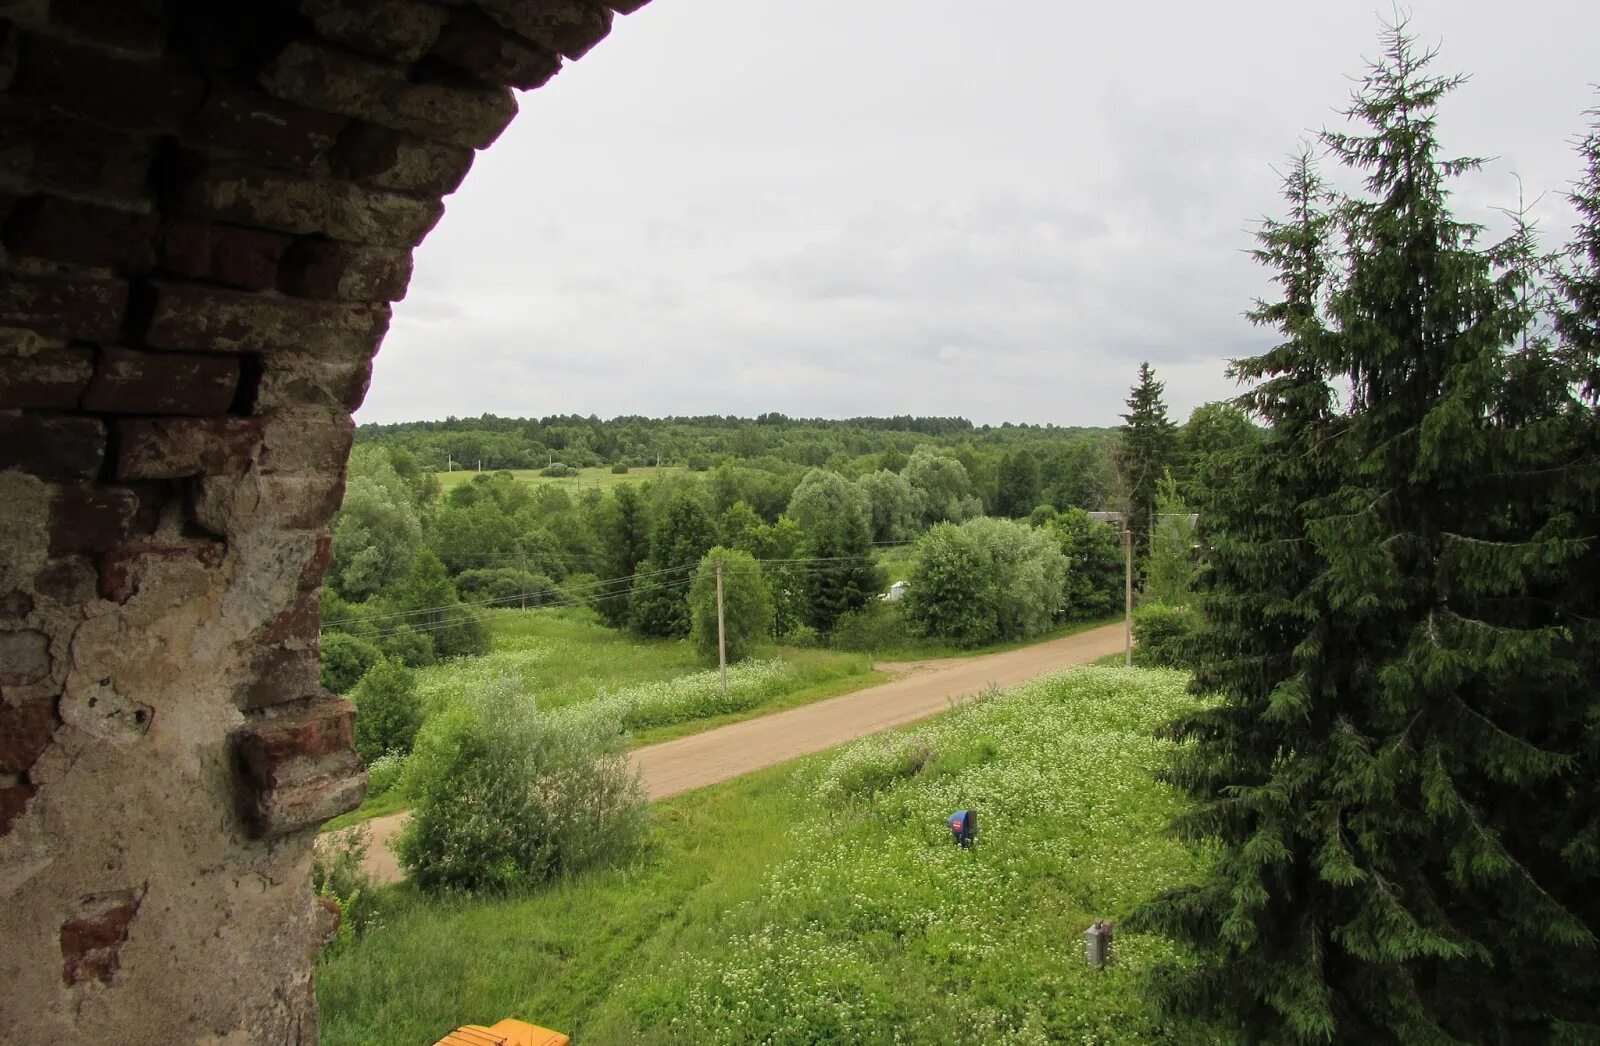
{"points": [[1127, 594], [722, 638], [522, 582]]}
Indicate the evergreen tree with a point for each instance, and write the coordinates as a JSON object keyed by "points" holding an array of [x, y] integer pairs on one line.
{"points": [[1387, 783], [623, 527], [683, 533], [1147, 448], [840, 573]]}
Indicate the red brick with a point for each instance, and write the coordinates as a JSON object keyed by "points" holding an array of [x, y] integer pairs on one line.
{"points": [[327, 270], [192, 317], [317, 568], [25, 732], [340, 82], [400, 30], [13, 803], [288, 382], [299, 766], [307, 442], [567, 27], [479, 47], [252, 196], [263, 128], [129, 382], [53, 379], [69, 582], [129, 94], [111, 24], [172, 448], [66, 307], [76, 156], [55, 448], [390, 160], [227, 254], [279, 674], [91, 943], [122, 569], [91, 519], [84, 233]]}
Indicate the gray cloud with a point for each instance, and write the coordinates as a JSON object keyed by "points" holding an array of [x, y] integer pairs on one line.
{"points": [[827, 207]]}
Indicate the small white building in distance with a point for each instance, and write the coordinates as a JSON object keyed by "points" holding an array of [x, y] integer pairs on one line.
{"points": [[896, 592]]}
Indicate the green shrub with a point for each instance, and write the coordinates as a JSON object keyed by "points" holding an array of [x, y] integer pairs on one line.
{"points": [[345, 659], [337, 876], [877, 626], [507, 796], [460, 632], [508, 586], [1161, 635], [408, 646], [388, 710], [558, 470], [619, 469]]}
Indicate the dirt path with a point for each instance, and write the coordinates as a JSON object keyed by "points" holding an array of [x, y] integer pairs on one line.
{"points": [[921, 689]]}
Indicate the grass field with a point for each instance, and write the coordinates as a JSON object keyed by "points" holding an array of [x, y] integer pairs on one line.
{"points": [[823, 901], [587, 479], [567, 657]]}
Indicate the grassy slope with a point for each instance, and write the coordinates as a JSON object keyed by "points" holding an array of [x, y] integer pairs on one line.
{"points": [[796, 906]]}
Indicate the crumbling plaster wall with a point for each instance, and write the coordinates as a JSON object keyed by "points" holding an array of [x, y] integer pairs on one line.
{"points": [[206, 210]]}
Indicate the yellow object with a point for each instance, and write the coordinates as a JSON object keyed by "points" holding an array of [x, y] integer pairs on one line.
{"points": [[506, 1033]]}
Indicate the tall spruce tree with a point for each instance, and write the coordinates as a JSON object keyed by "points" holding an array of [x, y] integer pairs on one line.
{"points": [[1386, 781], [1147, 448]]}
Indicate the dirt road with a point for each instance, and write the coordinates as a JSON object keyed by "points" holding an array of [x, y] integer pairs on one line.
{"points": [[923, 688]]}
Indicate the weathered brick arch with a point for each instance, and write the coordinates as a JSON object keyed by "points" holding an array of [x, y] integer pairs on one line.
{"points": [[207, 207]]}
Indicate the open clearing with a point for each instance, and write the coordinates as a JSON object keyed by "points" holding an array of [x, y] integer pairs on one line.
{"points": [[598, 478], [717, 755], [823, 901]]}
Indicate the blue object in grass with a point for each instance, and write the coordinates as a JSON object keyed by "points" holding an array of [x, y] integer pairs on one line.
{"points": [[964, 826]]}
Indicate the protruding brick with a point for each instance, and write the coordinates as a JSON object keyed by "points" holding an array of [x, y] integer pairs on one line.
{"points": [[567, 27], [85, 233], [300, 767], [481, 48], [323, 269], [130, 94], [172, 448], [263, 128], [24, 658], [286, 203], [307, 442], [66, 307], [25, 731], [388, 159], [400, 30], [59, 449], [288, 382], [191, 317], [91, 518], [227, 254], [129, 382], [326, 78], [91, 942], [54, 379]]}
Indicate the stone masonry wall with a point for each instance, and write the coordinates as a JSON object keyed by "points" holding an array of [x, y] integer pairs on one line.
{"points": [[206, 207]]}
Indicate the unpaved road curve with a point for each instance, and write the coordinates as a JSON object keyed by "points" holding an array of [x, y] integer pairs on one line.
{"points": [[925, 688]]}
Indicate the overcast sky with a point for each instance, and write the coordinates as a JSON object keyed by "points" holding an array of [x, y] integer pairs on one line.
{"points": [[847, 207]]}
